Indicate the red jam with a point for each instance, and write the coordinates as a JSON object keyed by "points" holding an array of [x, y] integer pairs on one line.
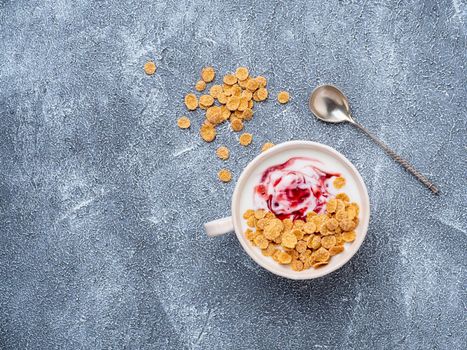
{"points": [[294, 188]]}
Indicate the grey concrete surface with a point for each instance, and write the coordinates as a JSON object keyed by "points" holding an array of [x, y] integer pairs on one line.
{"points": [[102, 197]]}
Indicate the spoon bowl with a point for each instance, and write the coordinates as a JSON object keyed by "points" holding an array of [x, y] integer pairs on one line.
{"points": [[329, 104]]}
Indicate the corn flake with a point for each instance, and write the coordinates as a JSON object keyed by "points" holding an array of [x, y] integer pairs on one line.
{"points": [[183, 122], [224, 175], [245, 139], [208, 74], [200, 85], [339, 182], [284, 258], [191, 101], [267, 146], [242, 73], [273, 229], [349, 236], [223, 153], [283, 97], [207, 132], [150, 68], [236, 124]]}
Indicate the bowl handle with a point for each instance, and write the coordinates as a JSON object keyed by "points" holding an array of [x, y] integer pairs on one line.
{"points": [[219, 227]]}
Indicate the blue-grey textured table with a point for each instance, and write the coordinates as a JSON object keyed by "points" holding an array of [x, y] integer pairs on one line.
{"points": [[103, 198]]}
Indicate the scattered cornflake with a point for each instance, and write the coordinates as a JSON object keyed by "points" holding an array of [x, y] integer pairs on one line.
{"points": [[261, 94], [200, 85], [208, 74], [339, 182], [242, 73], [206, 100], [267, 146], [262, 82], [283, 97], [230, 79], [149, 67], [223, 152], [236, 124], [191, 102], [207, 132], [225, 176], [245, 139], [183, 122]]}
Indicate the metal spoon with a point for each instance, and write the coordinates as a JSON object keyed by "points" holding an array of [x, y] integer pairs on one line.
{"points": [[329, 104]]}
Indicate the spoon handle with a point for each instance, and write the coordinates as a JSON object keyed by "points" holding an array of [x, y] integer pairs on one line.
{"points": [[409, 167]]}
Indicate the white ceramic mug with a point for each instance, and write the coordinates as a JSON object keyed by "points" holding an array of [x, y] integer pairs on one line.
{"points": [[242, 200]]}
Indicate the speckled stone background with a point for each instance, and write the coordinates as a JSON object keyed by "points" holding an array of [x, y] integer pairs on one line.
{"points": [[103, 198]]}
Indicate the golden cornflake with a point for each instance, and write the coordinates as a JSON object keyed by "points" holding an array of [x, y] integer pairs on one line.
{"points": [[223, 153], [247, 114], [250, 234], [252, 85], [191, 101], [149, 68], [247, 94], [248, 213], [284, 258], [346, 224], [225, 113], [289, 240], [260, 213], [183, 122], [349, 236], [245, 139], [301, 246], [321, 255], [297, 233], [207, 132], [269, 251], [339, 182], [236, 90], [206, 100], [215, 91], [267, 146], [261, 81], [332, 224], [224, 175], [341, 215], [262, 94], [242, 73], [222, 98], [251, 221], [230, 79], [243, 104], [315, 242], [236, 124], [342, 196], [331, 205], [309, 227], [200, 85], [296, 265], [283, 97], [261, 242], [319, 264], [328, 241], [273, 229], [337, 249], [214, 115], [208, 74], [233, 102]]}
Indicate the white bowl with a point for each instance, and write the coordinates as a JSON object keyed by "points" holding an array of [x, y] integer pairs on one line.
{"points": [[242, 200]]}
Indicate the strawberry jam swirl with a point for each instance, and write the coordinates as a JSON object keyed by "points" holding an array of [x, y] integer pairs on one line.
{"points": [[294, 188]]}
